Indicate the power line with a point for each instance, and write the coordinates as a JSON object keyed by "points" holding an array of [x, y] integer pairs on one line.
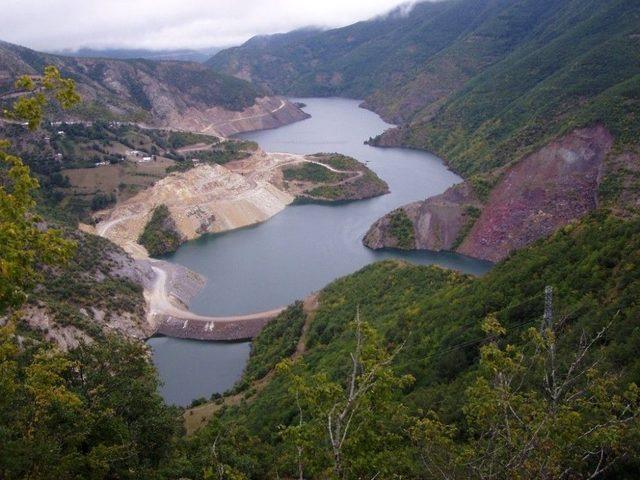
{"points": [[467, 343], [509, 307], [474, 341]]}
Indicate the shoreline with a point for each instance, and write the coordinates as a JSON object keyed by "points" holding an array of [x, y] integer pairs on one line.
{"points": [[172, 281], [233, 196], [169, 287]]}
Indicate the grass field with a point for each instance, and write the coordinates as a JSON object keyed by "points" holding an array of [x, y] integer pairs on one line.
{"points": [[123, 179]]}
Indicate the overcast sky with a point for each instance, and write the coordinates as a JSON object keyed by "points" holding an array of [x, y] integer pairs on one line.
{"points": [[160, 24]]}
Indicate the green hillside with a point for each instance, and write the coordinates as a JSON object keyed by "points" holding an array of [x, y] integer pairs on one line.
{"points": [[479, 82], [582, 68], [592, 268], [354, 60], [397, 371], [428, 391]]}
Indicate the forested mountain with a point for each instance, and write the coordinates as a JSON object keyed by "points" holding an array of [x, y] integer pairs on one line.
{"points": [[181, 95], [397, 371], [436, 317], [350, 61], [537, 104], [511, 93], [479, 81], [578, 68]]}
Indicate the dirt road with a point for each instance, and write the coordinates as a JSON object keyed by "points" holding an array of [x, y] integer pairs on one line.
{"points": [[160, 303]]}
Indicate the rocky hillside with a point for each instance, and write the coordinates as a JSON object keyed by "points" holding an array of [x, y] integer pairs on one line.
{"points": [[171, 94], [99, 292], [518, 205], [209, 198]]}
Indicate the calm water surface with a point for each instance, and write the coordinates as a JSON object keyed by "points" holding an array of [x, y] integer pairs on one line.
{"points": [[299, 250]]}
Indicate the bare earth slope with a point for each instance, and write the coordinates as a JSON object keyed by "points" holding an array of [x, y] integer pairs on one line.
{"points": [[543, 192], [216, 198], [533, 198], [437, 221], [204, 199]]}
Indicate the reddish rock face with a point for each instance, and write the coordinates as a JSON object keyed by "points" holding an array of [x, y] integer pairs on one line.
{"points": [[543, 192]]}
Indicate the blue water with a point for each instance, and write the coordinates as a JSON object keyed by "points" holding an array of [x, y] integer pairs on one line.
{"points": [[302, 248]]}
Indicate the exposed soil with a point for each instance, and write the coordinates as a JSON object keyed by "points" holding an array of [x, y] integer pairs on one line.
{"points": [[437, 221], [533, 198], [543, 192], [216, 198], [212, 198], [266, 113]]}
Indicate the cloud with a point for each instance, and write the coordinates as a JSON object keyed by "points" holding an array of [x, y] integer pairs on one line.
{"points": [[162, 24]]}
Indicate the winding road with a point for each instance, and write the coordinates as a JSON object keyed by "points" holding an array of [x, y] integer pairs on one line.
{"points": [[160, 303], [212, 126], [173, 319]]}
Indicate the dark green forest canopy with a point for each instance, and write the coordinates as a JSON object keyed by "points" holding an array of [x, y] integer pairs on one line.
{"points": [[160, 235], [437, 313], [91, 413], [534, 70]]}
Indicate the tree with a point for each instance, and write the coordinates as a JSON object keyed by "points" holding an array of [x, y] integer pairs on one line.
{"points": [[542, 409], [91, 413], [37, 92], [42, 419], [218, 469], [25, 242], [131, 428], [342, 423]]}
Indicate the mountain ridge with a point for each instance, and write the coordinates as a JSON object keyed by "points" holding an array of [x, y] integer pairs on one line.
{"points": [[484, 84], [166, 94]]}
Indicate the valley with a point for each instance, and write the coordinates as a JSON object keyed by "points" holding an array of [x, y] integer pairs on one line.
{"points": [[159, 94], [306, 245], [503, 85], [400, 246]]}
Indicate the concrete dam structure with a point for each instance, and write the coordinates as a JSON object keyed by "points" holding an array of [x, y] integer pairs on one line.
{"points": [[236, 328]]}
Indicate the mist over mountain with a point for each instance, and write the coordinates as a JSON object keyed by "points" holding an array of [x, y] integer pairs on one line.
{"points": [[186, 55]]}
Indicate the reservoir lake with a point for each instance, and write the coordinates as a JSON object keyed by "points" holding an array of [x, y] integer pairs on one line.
{"points": [[301, 249]]}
